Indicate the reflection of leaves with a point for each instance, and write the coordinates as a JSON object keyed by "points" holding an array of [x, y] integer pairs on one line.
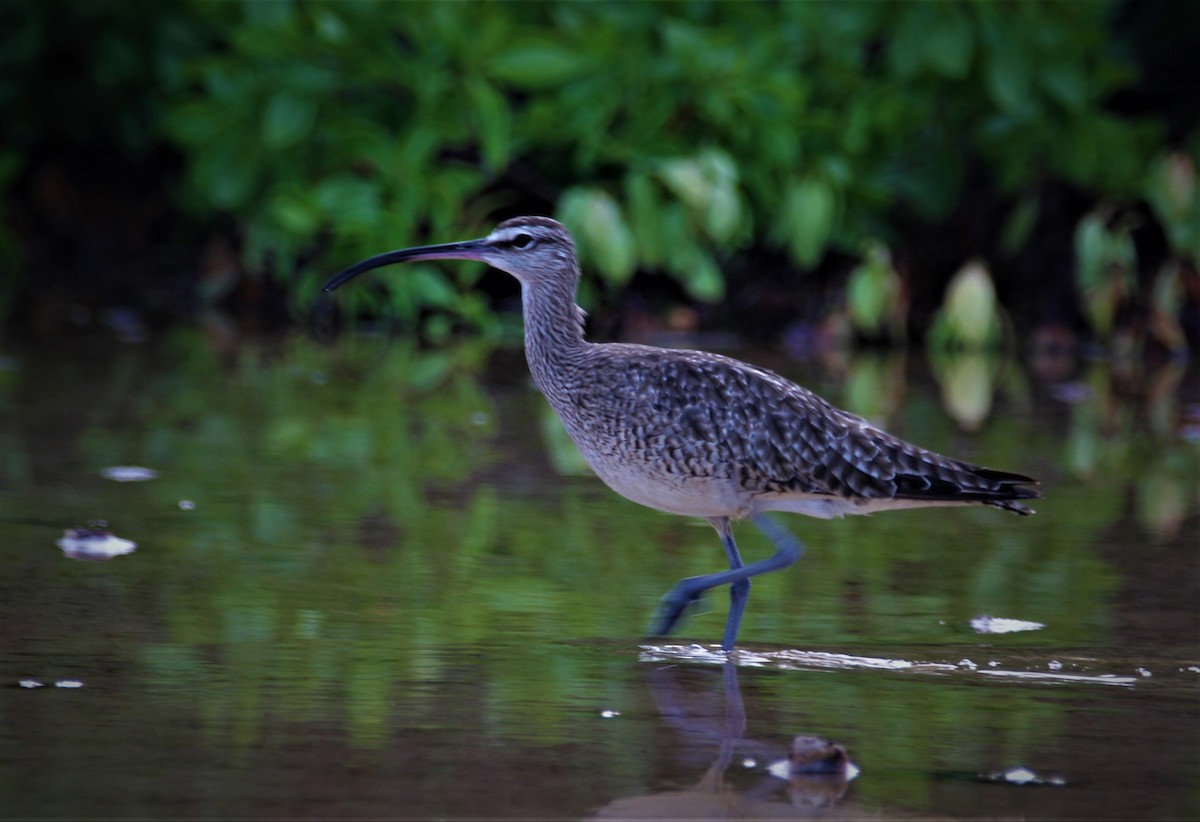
{"points": [[359, 524], [562, 451], [968, 382], [874, 387], [1167, 491]]}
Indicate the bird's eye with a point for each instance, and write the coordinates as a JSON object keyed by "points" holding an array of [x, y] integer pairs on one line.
{"points": [[522, 241]]}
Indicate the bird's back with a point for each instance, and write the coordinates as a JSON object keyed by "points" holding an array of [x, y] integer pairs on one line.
{"points": [[698, 433]]}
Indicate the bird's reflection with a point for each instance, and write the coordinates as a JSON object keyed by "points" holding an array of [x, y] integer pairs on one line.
{"points": [[814, 773]]}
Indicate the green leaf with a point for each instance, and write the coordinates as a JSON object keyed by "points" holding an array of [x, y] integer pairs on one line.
{"points": [[700, 274], [873, 293], [686, 179], [604, 239], [351, 203], [1090, 250], [905, 47], [329, 26], [1020, 222], [495, 123], [538, 64], [287, 119], [295, 213], [1067, 82], [430, 287], [227, 175], [970, 304], [949, 43], [1009, 75], [708, 185], [808, 219], [646, 218]]}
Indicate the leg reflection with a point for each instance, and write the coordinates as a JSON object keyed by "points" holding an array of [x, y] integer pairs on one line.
{"points": [[745, 776]]}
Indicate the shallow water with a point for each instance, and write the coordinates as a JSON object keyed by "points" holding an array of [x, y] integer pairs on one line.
{"points": [[373, 582]]}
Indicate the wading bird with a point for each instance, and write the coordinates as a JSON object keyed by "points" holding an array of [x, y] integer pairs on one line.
{"points": [[703, 435]]}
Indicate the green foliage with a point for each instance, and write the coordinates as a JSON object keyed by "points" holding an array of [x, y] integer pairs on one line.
{"points": [[970, 314], [1172, 192], [668, 135], [1105, 261], [874, 295]]}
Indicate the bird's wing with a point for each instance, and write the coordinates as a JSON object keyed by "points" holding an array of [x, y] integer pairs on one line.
{"points": [[774, 436]]}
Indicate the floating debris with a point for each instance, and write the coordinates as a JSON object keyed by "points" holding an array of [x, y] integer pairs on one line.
{"points": [[815, 754], [94, 544], [999, 625], [817, 771], [1021, 775], [1064, 679], [37, 683], [187, 505], [608, 713], [129, 473]]}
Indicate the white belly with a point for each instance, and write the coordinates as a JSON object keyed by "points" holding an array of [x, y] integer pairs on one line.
{"points": [[688, 496], [707, 497]]}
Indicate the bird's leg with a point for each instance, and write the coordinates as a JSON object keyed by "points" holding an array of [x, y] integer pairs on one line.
{"points": [[787, 550], [739, 590]]}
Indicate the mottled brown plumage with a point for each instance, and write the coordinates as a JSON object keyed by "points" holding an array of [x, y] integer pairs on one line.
{"points": [[700, 434]]}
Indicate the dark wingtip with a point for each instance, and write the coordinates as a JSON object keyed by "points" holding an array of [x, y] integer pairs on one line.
{"points": [[1012, 487], [1014, 507], [1000, 489]]}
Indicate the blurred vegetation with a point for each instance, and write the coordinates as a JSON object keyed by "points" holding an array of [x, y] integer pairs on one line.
{"points": [[694, 140]]}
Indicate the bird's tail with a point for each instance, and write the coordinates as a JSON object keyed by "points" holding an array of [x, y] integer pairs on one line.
{"points": [[970, 484]]}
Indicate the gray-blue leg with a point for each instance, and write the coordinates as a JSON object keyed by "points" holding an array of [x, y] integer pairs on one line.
{"points": [[787, 550]]}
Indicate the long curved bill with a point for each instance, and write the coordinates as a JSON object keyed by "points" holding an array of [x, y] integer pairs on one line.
{"points": [[467, 250]]}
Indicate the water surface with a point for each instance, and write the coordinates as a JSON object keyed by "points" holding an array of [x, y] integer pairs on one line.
{"points": [[371, 581]]}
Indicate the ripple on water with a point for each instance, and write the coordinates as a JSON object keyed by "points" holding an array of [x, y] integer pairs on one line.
{"points": [[792, 659]]}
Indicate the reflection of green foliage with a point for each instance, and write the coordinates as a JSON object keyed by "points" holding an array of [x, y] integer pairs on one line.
{"points": [[1109, 439], [373, 531]]}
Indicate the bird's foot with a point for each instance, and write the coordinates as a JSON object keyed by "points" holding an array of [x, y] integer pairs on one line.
{"points": [[674, 605]]}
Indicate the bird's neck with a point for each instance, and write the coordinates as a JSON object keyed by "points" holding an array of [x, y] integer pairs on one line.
{"points": [[553, 332]]}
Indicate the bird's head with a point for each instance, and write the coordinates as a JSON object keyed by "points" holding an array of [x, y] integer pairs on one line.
{"points": [[532, 249]]}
